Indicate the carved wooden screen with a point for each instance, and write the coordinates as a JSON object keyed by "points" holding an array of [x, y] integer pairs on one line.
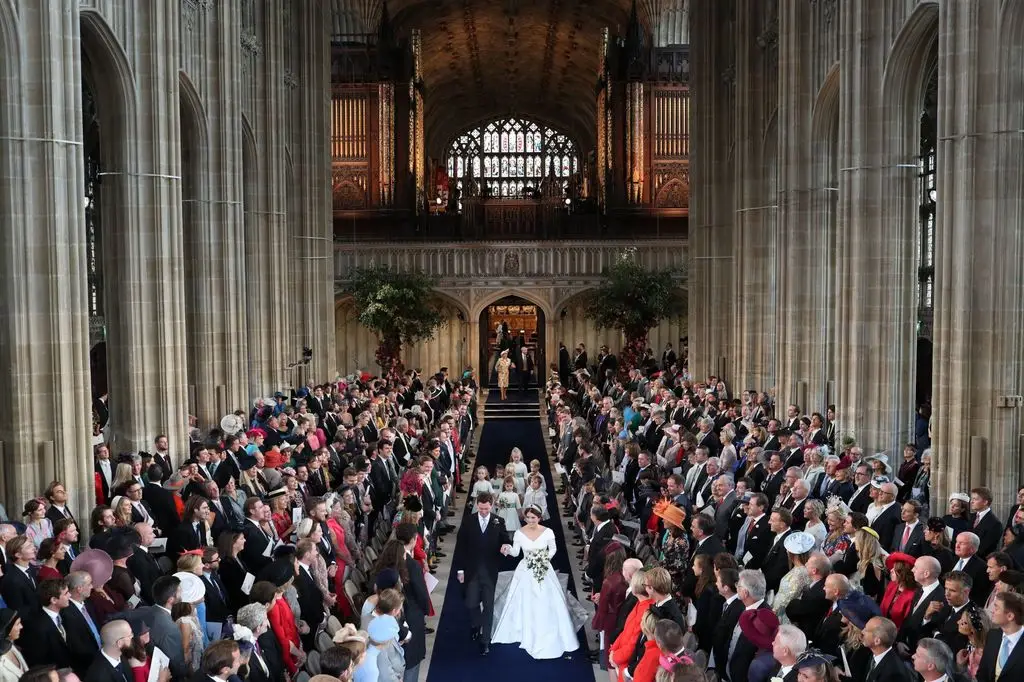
{"points": [[512, 157]]}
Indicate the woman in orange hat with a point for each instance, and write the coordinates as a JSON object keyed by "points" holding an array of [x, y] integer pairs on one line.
{"points": [[899, 593]]}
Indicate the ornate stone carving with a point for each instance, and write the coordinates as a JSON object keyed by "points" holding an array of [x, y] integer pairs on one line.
{"points": [[512, 263], [290, 79], [251, 43], [674, 194], [190, 11], [349, 187], [557, 264]]}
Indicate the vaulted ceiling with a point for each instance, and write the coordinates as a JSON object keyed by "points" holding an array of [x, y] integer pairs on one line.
{"points": [[484, 58]]}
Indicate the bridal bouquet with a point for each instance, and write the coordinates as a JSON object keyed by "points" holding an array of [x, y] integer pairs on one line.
{"points": [[537, 563]]}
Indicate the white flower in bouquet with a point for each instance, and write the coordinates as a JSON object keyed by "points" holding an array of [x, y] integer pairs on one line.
{"points": [[537, 563]]}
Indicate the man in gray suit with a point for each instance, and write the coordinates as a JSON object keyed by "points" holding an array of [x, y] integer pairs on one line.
{"points": [[724, 495], [163, 632]]}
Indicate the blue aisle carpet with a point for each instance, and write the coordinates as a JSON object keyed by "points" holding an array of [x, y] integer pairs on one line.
{"points": [[456, 657]]}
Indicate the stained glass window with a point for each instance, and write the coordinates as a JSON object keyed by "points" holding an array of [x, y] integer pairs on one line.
{"points": [[926, 209], [512, 148]]}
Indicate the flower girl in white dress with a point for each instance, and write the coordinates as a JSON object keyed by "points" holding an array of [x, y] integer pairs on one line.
{"points": [[517, 468], [535, 471], [534, 611], [482, 484], [509, 505], [536, 496]]}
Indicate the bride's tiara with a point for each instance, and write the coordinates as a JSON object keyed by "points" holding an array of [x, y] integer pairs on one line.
{"points": [[535, 509]]}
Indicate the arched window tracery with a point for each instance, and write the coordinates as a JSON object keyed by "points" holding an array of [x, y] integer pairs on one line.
{"points": [[511, 157]]}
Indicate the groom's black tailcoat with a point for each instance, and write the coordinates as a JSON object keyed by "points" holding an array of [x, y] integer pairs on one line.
{"points": [[483, 550]]}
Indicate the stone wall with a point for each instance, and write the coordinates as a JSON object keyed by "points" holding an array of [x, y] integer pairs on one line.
{"points": [[805, 222], [214, 210]]}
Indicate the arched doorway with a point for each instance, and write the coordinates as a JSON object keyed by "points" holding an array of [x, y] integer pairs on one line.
{"points": [[526, 324]]}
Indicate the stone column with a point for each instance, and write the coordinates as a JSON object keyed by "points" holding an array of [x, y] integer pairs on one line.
{"points": [[755, 212], [805, 272], [44, 325], [875, 245], [316, 228], [712, 300], [268, 268], [141, 221], [978, 266], [218, 345]]}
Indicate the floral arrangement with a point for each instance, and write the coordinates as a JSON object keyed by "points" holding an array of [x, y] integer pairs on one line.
{"points": [[538, 563]]}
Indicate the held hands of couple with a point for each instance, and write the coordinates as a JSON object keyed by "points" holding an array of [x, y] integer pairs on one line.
{"points": [[505, 549]]}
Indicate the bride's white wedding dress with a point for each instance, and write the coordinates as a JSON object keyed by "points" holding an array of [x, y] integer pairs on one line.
{"points": [[535, 613]]}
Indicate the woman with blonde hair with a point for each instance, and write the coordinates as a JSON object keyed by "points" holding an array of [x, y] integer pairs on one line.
{"points": [[621, 652], [123, 474], [727, 456], [813, 511], [837, 541], [870, 562], [122, 508]]}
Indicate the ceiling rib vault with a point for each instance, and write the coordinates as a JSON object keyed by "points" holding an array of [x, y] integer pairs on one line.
{"points": [[535, 59]]}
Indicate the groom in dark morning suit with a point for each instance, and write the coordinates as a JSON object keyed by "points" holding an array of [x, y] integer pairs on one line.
{"points": [[483, 533]]}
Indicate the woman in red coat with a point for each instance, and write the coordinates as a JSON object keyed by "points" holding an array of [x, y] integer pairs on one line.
{"points": [[647, 668], [622, 648], [612, 593], [281, 618], [898, 599]]}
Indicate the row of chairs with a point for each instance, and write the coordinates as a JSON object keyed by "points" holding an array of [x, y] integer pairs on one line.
{"points": [[359, 581]]}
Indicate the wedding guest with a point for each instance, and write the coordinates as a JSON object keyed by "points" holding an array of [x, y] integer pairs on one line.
{"points": [[900, 593], [611, 595], [12, 663]]}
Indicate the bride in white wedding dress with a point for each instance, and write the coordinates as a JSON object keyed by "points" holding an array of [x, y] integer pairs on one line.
{"points": [[534, 611]]}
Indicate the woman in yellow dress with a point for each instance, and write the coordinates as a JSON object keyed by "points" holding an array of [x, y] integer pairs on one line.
{"points": [[503, 366]]}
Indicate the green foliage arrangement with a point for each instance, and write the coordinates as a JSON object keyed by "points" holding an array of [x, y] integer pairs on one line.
{"points": [[634, 300], [398, 307]]}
